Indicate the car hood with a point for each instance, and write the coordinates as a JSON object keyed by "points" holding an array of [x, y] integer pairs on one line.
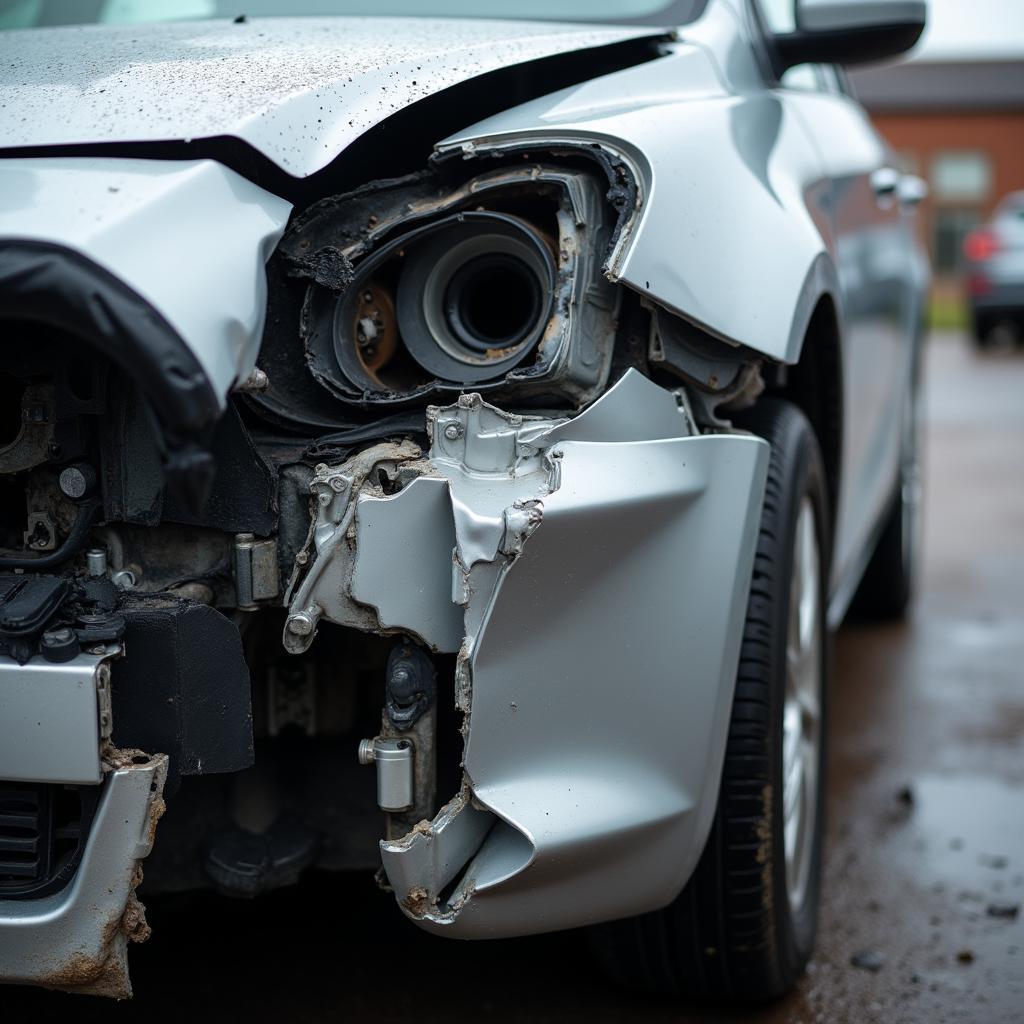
{"points": [[299, 90]]}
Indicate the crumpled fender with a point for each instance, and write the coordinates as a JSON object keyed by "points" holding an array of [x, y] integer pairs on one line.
{"points": [[731, 204]]}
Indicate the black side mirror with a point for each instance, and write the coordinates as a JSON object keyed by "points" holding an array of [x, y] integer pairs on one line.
{"points": [[850, 31]]}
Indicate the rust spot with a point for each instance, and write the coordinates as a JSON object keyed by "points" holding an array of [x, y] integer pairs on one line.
{"points": [[417, 901], [106, 976], [156, 812]]}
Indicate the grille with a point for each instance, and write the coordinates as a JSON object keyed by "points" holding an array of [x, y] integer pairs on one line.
{"points": [[43, 828]]}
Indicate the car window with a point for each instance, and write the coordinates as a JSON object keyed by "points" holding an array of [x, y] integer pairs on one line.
{"points": [[36, 13]]}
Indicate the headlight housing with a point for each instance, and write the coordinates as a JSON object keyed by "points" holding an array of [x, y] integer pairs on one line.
{"points": [[492, 284], [467, 298]]}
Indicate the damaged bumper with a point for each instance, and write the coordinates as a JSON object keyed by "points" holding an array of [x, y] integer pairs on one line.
{"points": [[67, 902], [591, 574], [77, 939]]}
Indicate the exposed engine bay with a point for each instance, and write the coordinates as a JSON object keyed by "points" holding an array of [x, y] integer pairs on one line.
{"points": [[346, 561]]}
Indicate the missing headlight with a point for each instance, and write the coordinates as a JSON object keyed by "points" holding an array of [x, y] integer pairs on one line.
{"points": [[495, 283], [472, 293]]}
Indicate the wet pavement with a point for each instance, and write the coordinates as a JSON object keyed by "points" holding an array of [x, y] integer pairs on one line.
{"points": [[925, 858]]}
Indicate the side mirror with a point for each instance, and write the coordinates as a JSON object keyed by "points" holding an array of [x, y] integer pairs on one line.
{"points": [[851, 31]]}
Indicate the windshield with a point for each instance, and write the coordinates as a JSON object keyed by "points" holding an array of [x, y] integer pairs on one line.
{"points": [[36, 13]]}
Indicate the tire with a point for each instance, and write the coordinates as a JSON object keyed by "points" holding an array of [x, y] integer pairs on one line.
{"points": [[887, 587], [744, 926], [981, 331]]}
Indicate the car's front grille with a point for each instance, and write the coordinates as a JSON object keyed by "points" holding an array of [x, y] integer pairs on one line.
{"points": [[24, 811], [43, 828]]}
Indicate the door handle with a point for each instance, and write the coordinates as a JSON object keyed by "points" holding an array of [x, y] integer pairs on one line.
{"points": [[885, 181]]}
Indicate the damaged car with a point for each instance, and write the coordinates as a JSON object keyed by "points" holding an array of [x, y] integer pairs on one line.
{"points": [[438, 439]]}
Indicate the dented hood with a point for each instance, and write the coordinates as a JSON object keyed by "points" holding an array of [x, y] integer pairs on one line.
{"points": [[299, 90]]}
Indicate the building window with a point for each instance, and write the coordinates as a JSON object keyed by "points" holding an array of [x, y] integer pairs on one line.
{"points": [[961, 176]]}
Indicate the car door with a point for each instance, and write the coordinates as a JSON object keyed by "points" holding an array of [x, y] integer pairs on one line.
{"points": [[872, 258], [870, 243]]}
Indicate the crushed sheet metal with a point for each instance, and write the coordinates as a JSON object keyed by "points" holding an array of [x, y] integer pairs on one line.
{"points": [[621, 546], [398, 539], [77, 939], [614, 418], [422, 863], [321, 582], [599, 741], [191, 237]]}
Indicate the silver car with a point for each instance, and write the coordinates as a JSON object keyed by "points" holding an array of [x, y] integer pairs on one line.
{"points": [[442, 445], [995, 272]]}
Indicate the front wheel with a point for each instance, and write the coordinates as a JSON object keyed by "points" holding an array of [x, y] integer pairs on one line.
{"points": [[744, 926]]}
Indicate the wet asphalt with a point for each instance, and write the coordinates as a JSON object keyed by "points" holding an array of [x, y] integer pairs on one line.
{"points": [[925, 854]]}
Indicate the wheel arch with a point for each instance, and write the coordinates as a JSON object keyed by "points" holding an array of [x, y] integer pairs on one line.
{"points": [[815, 384]]}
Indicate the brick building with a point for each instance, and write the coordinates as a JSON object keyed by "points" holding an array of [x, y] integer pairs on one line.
{"points": [[959, 124]]}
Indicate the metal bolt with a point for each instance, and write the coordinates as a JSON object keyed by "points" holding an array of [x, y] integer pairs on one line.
{"points": [[124, 579], [76, 481], [301, 623], [453, 431], [337, 484], [256, 381], [96, 562], [59, 636]]}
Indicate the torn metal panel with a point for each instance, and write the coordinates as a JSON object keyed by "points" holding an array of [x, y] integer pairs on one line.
{"points": [[599, 739], [422, 864], [77, 939], [615, 418], [471, 503], [601, 566], [399, 539], [321, 582]]}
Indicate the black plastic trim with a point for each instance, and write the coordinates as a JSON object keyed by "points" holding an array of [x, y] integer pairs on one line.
{"points": [[848, 46]]}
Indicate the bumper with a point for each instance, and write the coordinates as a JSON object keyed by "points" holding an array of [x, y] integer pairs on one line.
{"points": [[55, 727], [77, 939], [592, 574], [1000, 297]]}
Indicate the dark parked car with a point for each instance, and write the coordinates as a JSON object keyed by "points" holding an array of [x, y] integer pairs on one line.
{"points": [[995, 273]]}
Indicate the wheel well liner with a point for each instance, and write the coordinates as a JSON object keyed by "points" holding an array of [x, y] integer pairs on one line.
{"points": [[815, 384]]}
